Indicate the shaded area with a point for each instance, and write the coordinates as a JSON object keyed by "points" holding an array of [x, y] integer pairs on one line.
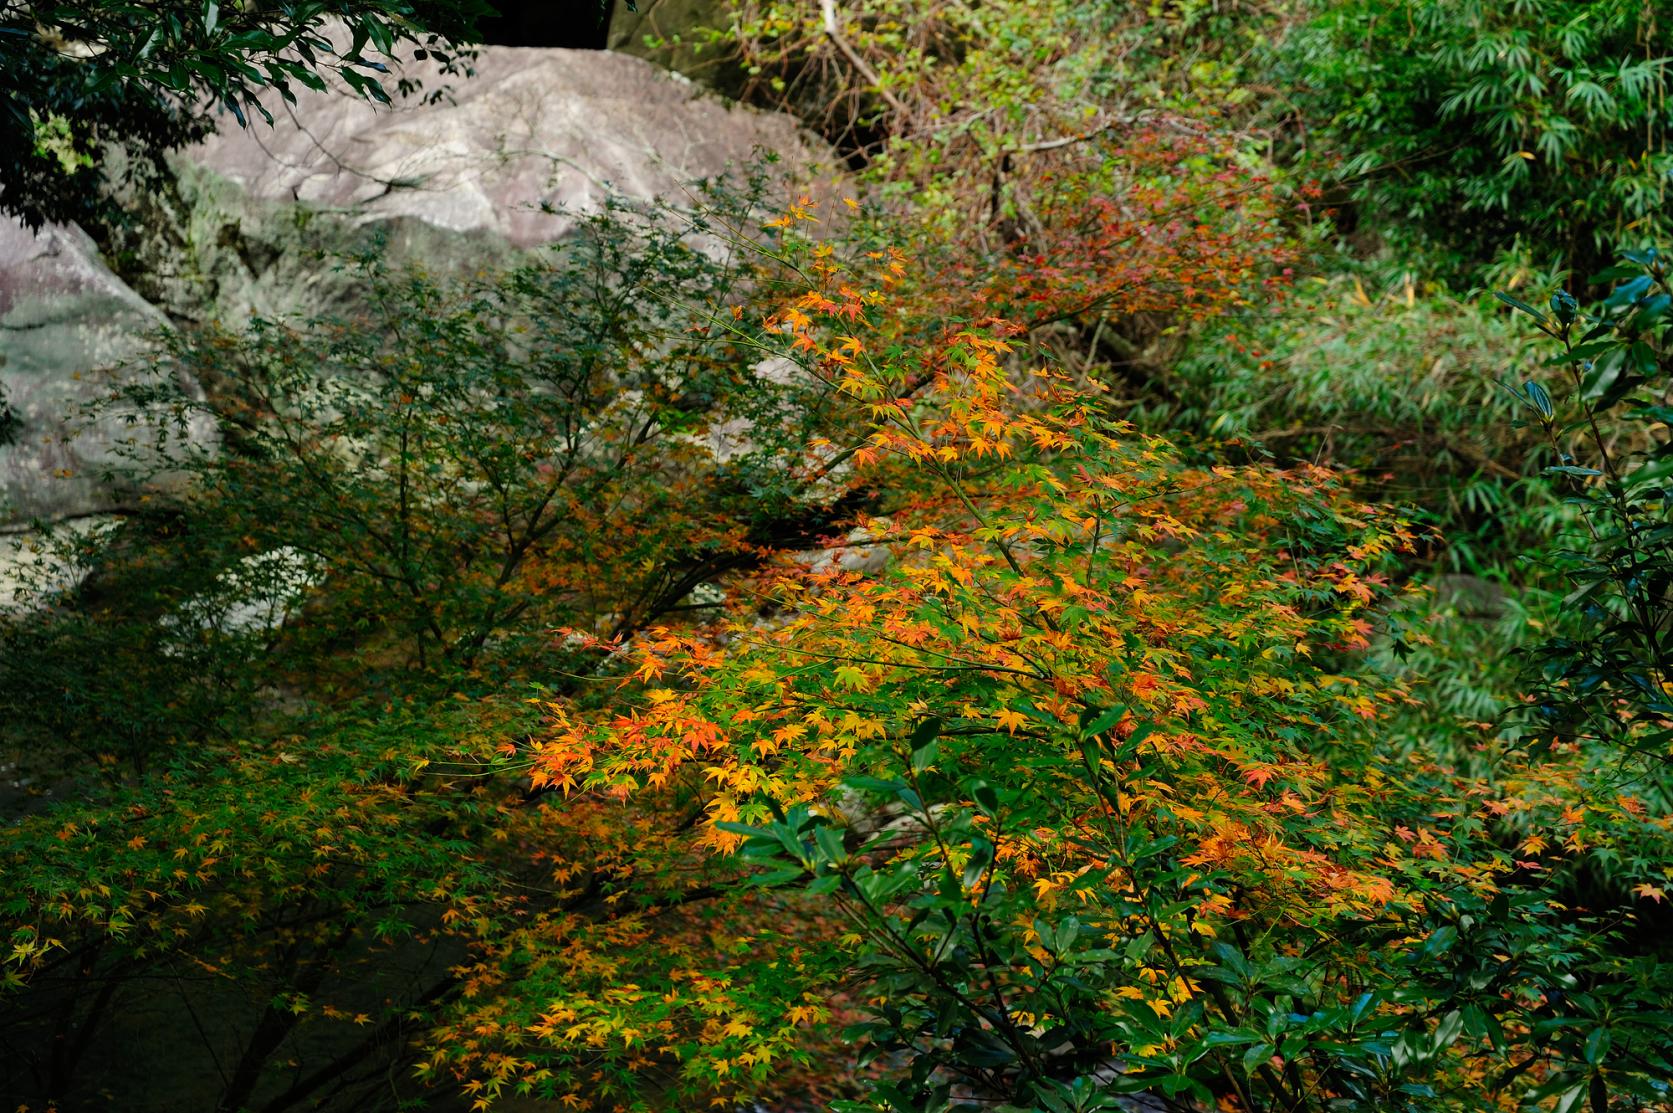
{"points": [[572, 24]]}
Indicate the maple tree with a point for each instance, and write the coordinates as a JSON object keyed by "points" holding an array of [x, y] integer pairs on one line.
{"points": [[1059, 165], [1081, 796], [1073, 763], [276, 810]]}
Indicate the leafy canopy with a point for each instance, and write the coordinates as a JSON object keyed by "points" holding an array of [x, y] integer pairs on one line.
{"points": [[76, 75]]}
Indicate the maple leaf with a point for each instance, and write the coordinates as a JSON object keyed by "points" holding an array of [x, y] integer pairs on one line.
{"points": [[851, 677], [1010, 719]]}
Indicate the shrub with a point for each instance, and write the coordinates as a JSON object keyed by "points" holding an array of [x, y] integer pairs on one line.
{"points": [[469, 465], [1606, 679], [1544, 121], [1399, 384]]}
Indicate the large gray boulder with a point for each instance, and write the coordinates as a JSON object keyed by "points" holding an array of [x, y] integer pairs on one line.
{"points": [[260, 220], [65, 322], [505, 161], [70, 333], [536, 137]]}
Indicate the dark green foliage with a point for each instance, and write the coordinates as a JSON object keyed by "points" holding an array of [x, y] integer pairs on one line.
{"points": [[76, 75], [8, 420], [293, 885], [1608, 677], [452, 458], [1472, 125], [106, 675]]}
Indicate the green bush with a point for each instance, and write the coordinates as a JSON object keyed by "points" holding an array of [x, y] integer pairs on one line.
{"points": [[1606, 677], [1398, 383], [100, 673], [469, 465], [1470, 124]]}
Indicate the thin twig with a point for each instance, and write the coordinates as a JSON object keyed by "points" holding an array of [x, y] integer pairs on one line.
{"points": [[834, 33]]}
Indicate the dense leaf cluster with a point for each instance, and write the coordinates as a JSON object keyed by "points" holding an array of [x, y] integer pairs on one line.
{"points": [[1473, 125]]}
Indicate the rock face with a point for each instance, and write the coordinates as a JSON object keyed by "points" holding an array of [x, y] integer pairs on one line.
{"points": [[260, 220], [536, 130], [505, 161], [64, 319]]}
